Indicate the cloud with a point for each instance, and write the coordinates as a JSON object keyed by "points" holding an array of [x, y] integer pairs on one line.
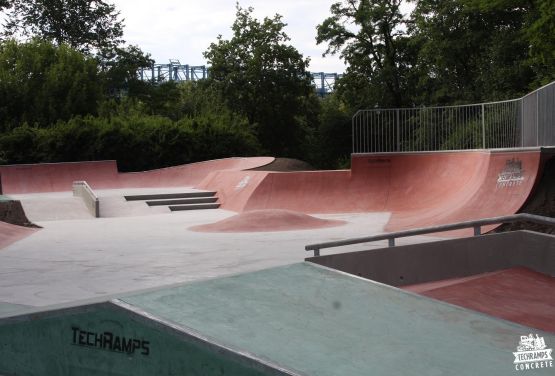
{"points": [[184, 29]]}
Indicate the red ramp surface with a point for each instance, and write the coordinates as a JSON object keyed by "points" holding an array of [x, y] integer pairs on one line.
{"points": [[56, 177], [11, 233], [419, 189], [268, 220], [519, 295]]}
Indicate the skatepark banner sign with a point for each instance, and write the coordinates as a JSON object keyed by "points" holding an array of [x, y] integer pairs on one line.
{"points": [[532, 353]]}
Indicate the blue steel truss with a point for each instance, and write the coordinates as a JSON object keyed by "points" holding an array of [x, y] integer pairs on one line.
{"points": [[324, 83]]}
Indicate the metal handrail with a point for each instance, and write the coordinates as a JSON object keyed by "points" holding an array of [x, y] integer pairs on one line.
{"points": [[476, 224]]}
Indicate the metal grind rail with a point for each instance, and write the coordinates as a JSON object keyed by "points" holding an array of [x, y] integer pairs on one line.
{"points": [[476, 224]]}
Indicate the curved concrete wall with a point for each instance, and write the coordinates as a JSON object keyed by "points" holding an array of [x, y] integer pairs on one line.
{"points": [[56, 177], [419, 189]]}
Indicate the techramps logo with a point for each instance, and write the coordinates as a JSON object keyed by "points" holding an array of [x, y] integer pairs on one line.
{"points": [[532, 353], [512, 175]]}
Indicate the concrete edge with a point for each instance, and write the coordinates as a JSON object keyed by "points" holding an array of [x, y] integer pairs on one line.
{"points": [[525, 329], [196, 338]]}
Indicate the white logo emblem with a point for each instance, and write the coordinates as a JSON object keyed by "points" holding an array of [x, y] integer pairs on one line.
{"points": [[511, 174], [532, 353], [243, 183]]}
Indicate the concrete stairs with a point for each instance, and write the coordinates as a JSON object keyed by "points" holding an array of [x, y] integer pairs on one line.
{"points": [[179, 201]]}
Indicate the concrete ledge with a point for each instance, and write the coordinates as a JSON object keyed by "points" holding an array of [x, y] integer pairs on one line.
{"points": [[12, 212], [83, 190], [427, 262]]}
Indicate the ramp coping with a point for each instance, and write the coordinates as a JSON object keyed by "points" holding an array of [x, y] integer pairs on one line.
{"points": [[476, 224], [246, 357]]}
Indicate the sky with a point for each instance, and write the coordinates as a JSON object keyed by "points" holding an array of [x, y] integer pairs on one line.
{"points": [[183, 29]]}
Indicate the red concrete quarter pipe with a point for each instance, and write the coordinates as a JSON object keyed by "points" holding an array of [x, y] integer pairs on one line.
{"points": [[418, 189]]}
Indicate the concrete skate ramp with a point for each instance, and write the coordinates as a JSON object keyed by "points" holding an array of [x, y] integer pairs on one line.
{"points": [[56, 177], [299, 319], [509, 275], [268, 220], [517, 294], [419, 189], [11, 233]]}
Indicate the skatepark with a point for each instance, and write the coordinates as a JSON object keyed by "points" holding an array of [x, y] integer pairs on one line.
{"points": [[202, 268]]}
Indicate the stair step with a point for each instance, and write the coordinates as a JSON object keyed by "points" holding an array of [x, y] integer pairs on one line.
{"points": [[199, 200], [194, 207], [162, 196]]}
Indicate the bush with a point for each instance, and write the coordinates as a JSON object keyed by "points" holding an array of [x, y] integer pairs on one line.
{"points": [[136, 142]]}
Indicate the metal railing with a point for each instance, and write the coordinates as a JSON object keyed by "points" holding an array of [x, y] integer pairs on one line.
{"points": [[476, 224], [527, 121]]}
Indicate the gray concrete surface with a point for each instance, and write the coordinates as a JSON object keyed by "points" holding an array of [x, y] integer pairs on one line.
{"points": [[81, 258], [55, 206]]}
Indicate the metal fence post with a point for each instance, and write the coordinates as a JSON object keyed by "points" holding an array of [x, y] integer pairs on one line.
{"points": [[483, 127], [398, 130], [522, 122], [537, 118]]}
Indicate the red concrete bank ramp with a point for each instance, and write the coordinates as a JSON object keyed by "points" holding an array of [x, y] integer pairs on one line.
{"points": [[419, 189], [53, 177], [11, 233], [519, 295]]}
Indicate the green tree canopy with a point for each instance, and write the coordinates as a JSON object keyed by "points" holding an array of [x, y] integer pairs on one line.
{"points": [[89, 26], [472, 50], [540, 32], [371, 37], [41, 83], [264, 78], [120, 68]]}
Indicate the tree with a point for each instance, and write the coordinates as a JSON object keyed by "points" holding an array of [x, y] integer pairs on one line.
{"points": [[540, 32], [89, 26], [120, 68], [263, 78], [472, 50], [4, 4], [41, 83], [371, 37], [331, 144]]}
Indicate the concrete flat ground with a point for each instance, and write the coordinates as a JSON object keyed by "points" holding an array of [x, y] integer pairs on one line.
{"points": [[78, 257]]}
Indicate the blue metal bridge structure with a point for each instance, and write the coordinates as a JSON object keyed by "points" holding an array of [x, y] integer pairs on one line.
{"points": [[324, 83]]}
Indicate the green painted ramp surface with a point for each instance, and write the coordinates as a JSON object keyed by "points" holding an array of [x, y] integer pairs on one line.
{"points": [[104, 339], [321, 322], [7, 308], [300, 319]]}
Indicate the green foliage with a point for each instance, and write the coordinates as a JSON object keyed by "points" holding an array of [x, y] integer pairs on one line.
{"points": [[371, 37], [119, 69], [331, 142], [136, 142], [540, 32], [263, 78], [465, 137], [22, 145], [41, 83], [471, 50], [4, 4], [82, 24]]}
